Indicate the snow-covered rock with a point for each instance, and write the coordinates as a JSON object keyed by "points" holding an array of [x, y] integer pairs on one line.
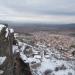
{"points": [[33, 60], [15, 49], [2, 59], [1, 27], [1, 72], [16, 35], [37, 56], [24, 58], [7, 32], [11, 30]]}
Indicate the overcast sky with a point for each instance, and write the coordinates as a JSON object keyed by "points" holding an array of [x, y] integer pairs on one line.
{"points": [[48, 11]]}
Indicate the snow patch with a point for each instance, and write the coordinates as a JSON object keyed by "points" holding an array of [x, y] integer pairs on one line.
{"points": [[11, 30], [23, 57], [7, 32], [15, 49], [1, 72], [2, 59], [1, 27]]}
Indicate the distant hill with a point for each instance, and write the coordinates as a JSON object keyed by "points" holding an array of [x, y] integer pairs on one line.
{"points": [[43, 27], [28, 27]]}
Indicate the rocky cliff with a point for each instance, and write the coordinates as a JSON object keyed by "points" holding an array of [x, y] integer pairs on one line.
{"points": [[10, 63]]}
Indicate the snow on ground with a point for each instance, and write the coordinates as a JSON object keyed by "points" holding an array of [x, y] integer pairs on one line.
{"points": [[53, 64], [56, 66], [2, 59], [33, 60], [65, 72]]}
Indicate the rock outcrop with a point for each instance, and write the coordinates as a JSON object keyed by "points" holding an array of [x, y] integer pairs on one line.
{"points": [[12, 65]]}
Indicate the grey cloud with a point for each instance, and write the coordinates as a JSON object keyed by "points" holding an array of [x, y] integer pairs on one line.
{"points": [[62, 7]]}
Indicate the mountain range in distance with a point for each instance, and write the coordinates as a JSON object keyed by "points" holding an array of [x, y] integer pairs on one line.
{"points": [[31, 27]]}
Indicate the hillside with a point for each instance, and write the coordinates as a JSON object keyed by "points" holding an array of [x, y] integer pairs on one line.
{"points": [[36, 53]]}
